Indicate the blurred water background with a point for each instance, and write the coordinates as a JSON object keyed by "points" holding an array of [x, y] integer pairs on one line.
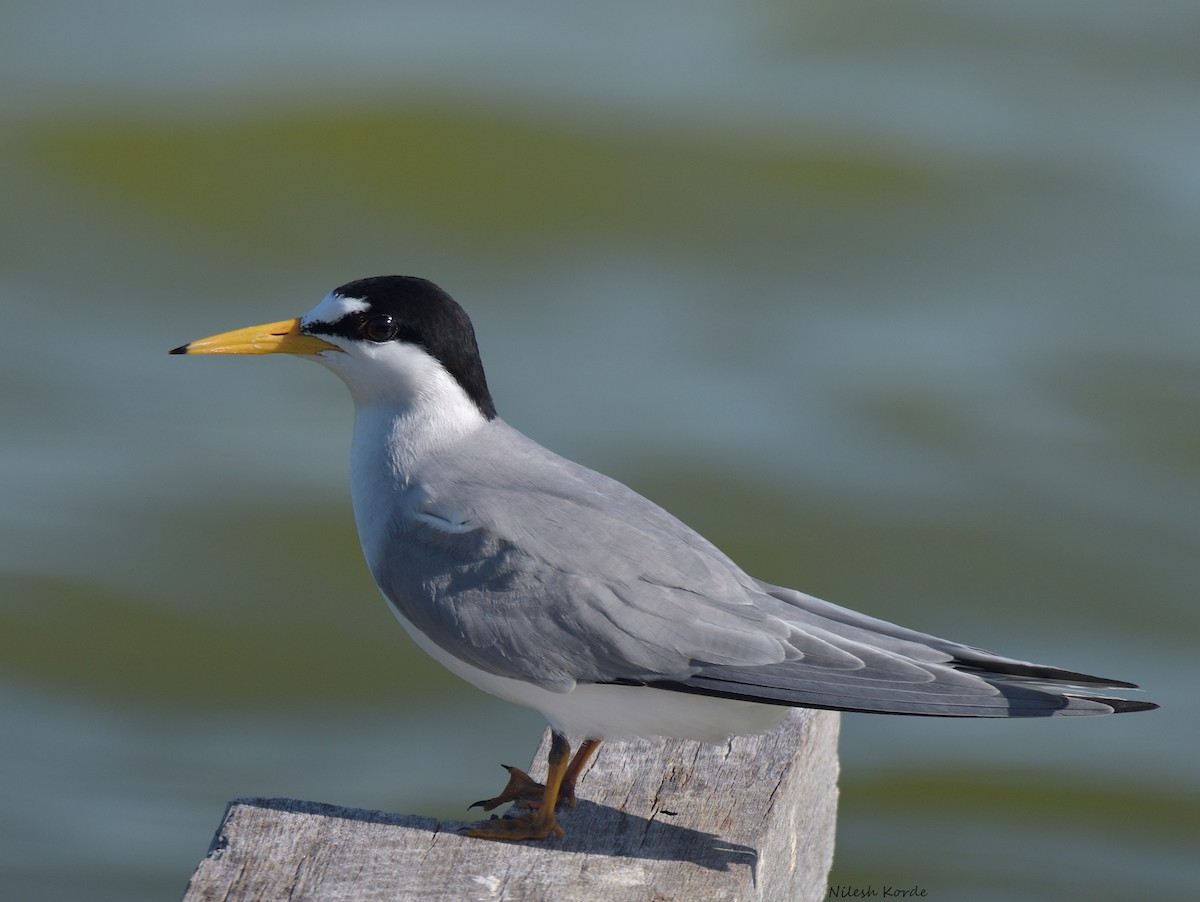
{"points": [[895, 301]]}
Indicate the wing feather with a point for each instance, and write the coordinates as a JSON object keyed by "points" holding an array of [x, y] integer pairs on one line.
{"points": [[551, 573]]}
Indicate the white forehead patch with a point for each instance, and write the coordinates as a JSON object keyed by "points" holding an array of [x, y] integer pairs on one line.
{"points": [[333, 308]]}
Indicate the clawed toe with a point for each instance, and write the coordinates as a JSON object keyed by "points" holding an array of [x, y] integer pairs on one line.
{"points": [[533, 825], [522, 789]]}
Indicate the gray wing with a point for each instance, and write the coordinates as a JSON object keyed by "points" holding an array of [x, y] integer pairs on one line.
{"points": [[889, 669], [530, 566], [527, 565]]}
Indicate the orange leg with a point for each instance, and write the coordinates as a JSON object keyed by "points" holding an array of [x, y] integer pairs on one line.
{"points": [[528, 792], [566, 795], [538, 823]]}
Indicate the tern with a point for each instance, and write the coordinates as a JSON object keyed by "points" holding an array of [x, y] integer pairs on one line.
{"points": [[550, 585]]}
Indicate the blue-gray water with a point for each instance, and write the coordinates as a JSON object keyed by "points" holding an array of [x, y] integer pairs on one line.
{"points": [[898, 302]]}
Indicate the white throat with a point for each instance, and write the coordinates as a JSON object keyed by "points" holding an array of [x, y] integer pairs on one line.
{"points": [[408, 408], [404, 399]]}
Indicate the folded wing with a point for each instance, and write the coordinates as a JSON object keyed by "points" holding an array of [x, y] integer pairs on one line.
{"points": [[548, 572]]}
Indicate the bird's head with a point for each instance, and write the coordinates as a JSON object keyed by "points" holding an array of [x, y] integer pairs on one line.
{"points": [[398, 340]]}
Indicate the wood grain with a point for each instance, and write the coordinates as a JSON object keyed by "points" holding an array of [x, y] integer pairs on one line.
{"points": [[657, 820]]}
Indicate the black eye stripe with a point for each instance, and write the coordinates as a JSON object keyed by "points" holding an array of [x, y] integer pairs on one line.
{"points": [[353, 326], [375, 327]]}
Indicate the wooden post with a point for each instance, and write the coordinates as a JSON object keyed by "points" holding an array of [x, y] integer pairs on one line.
{"points": [[657, 820]]}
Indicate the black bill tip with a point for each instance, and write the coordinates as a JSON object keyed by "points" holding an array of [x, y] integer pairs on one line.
{"points": [[182, 349]]}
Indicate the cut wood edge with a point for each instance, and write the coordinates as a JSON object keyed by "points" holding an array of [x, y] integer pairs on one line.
{"points": [[750, 819]]}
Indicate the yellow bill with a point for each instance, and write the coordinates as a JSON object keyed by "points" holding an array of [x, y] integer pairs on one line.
{"points": [[283, 337]]}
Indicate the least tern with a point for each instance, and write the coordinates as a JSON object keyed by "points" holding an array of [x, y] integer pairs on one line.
{"points": [[552, 586]]}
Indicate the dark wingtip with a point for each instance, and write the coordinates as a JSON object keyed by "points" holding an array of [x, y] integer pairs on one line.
{"points": [[1121, 705], [1084, 679], [1038, 672], [182, 349]]}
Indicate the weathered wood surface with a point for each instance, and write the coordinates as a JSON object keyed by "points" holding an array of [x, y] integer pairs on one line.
{"points": [[657, 820]]}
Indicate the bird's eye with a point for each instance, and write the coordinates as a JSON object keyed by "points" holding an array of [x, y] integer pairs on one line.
{"points": [[380, 328]]}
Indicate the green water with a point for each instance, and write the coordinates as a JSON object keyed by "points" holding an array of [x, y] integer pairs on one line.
{"points": [[898, 306]]}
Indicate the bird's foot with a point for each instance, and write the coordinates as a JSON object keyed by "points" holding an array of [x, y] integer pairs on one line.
{"points": [[534, 825], [525, 792], [522, 789]]}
